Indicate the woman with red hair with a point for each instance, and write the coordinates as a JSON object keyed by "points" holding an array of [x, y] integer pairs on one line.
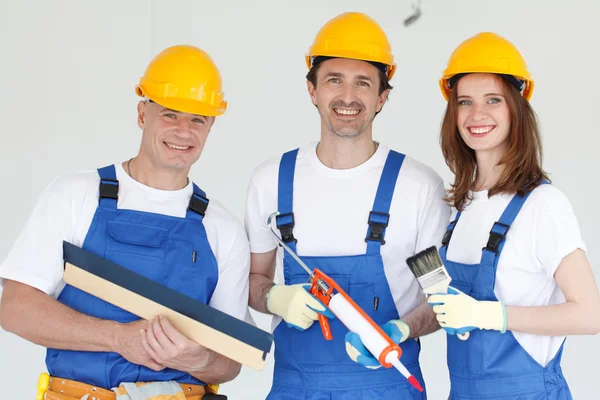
{"points": [[513, 247]]}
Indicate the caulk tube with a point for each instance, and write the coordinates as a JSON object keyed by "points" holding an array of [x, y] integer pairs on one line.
{"points": [[356, 323], [374, 341]]}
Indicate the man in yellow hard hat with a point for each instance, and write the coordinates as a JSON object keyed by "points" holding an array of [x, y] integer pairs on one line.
{"points": [[354, 209], [147, 216]]}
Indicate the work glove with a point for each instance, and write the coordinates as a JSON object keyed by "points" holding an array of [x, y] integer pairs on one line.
{"points": [[396, 329], [459, 313], [296, 305]]}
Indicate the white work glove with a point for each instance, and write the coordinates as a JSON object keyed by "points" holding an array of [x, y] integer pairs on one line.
{"points": [[459, 313], [296, 305], [396, 329]]}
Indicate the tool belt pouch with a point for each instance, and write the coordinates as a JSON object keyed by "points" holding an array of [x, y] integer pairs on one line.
{"points": [[150, 391], [64, 389]]}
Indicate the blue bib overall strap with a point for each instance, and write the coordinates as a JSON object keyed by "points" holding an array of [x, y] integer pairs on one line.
{"points": [[498, 231], [198, 204], [490, 254], [109, 194], [307, 365], [169, 250], [448, 235], [109, 188], [379, 217], [285, 199], [491, 365]]}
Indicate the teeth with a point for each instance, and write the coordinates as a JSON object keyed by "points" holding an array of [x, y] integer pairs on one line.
{"points": [[481, 130], [346, 112], [178, 147]]}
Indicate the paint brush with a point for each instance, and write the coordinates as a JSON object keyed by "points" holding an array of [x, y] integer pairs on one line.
{"points": [[431, 274], [428, 268]]}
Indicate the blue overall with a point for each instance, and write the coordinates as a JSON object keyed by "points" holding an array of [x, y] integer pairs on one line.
{"points": [[306, 365], [169, 250], [490, 364]]}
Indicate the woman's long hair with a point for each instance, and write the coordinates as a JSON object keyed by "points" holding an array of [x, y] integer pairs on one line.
{"points": [[523, 159]]}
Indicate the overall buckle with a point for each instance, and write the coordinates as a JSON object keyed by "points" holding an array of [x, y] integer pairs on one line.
{"points": [[378, 221], [496, 238], [285, 224], [198, 204], [109, 188]]}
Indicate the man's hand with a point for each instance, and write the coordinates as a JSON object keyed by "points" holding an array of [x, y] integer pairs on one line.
{"points": [[396, 329], [296, 305], [168, 347], [130, 345]]}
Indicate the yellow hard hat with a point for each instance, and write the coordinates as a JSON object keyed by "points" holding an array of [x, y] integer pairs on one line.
{"points": [[489, 53], [184, 78], [353, 35]]}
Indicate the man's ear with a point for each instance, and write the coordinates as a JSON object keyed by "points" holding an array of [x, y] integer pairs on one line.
{"points": [[382, 99], [312, 91], [142, 108]]}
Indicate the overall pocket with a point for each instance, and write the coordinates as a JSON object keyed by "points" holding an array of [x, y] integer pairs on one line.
{"points": [[191, 269], [363, 295], [139, 248]]}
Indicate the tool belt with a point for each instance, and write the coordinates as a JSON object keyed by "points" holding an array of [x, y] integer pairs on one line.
{"points": [[56, 388]]}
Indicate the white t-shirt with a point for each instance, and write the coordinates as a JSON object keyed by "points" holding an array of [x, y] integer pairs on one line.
{"points": [[331, 210], [545, 231], [65, 211]]}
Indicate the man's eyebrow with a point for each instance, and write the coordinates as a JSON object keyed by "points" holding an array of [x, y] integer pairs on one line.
{"points": [[163, 109], [364, 78]]}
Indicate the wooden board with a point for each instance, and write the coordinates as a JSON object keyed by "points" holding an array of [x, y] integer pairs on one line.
{"points": [[207, 326]]}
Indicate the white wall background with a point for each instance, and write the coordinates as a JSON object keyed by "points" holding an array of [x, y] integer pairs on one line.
{"points": [[68, 69]]}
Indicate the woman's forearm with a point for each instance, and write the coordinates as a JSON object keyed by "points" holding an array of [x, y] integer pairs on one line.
{"points": [[556, 320]]}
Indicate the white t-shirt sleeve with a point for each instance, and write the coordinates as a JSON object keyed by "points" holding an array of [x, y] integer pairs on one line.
{"points": [[231, 293], [36, 259], [255, 221], [558, 232], [434, 219]]}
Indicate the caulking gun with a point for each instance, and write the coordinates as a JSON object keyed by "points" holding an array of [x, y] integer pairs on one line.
{"points": [[351, 315]]}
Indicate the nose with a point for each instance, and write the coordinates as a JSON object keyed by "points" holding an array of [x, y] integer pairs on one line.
{"points": [[479, 113], [184, 127], [348, 95]]}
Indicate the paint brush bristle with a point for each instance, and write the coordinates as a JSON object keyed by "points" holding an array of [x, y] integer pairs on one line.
{"points": [[424, 262]]}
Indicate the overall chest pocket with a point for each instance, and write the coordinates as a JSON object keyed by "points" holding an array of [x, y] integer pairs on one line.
{"points": [[192, 269], [370, 289], [136, 238], [139, 248]]}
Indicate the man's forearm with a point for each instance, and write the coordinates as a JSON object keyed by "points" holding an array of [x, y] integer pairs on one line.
{"points": [[218, 369], [259, 287], [38, 318], [422, 320]]}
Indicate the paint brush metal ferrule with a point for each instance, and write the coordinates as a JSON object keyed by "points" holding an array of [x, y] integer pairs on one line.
{"points": [[437, 281]]}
